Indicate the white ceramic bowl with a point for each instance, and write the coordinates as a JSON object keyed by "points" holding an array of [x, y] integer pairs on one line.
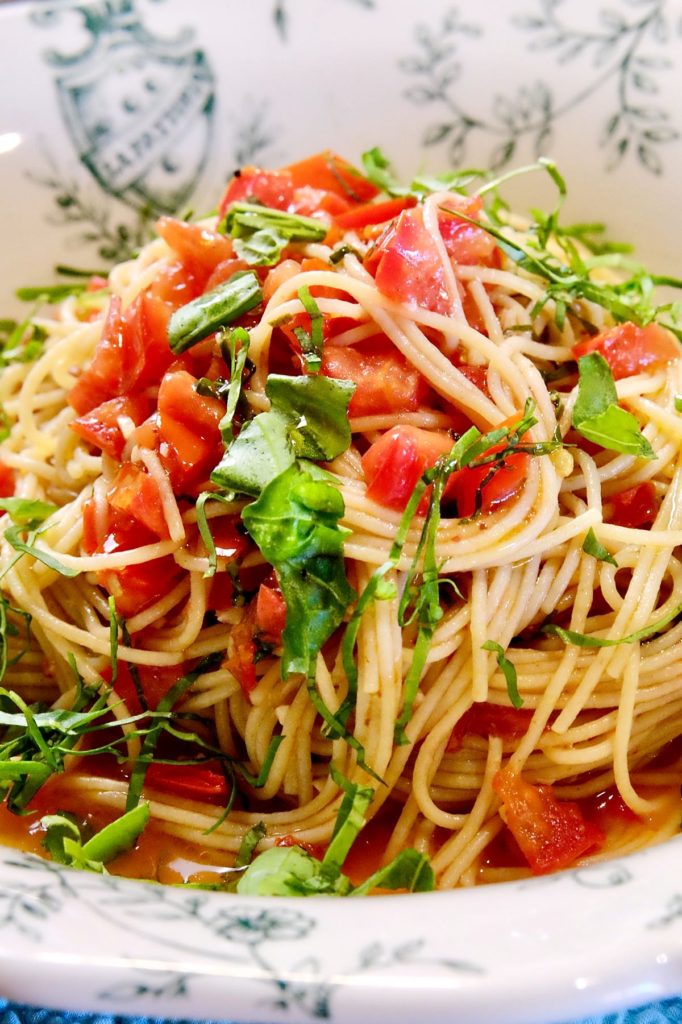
{"points": [[106, 108]]}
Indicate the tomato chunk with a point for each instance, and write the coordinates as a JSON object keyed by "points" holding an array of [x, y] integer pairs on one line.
{"points": [[629, 349], [466, 243], [552, 834], [154, 682], [199, 248], [189, 781], [394, 464], [385, 381], [374, 213], [408, 264], [137, 493], [331, 173], [271, 612], [189, 431], [635, 507], [251, 184], [7, 480], [100, 427], [485, 719]]}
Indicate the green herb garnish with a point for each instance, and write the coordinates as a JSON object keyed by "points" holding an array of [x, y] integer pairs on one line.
{"points": [[597, 415], [213, 310], [260, 233], [508, 671], [592, 546]]}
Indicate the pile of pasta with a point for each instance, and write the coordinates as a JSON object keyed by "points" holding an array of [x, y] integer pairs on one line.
{"points": [[525, 748]]}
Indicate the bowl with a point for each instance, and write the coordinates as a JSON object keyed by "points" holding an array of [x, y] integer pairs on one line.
{"points": [[115, 111]]}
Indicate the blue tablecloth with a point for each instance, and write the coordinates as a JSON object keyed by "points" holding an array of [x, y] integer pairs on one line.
{"points": [[667, 1012]]}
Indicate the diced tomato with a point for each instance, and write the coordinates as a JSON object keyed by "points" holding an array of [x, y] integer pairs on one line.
{"points": [[132, 353], [199, 248], [7, 480], [551, 833], [271, 612], [188, 781], [394, 464], [242, 653], [465, 485], [230, 542], [385, 381], [485, 719], [137, 493], [133, 587], [374, 213], [331, 173], [100, 426], [190, 439], [221, 593], [291, 840], [408, 264], [478, 375], [224, 271], [155, 681], [271, 188], [310, 201], [467, 244], [635, 507], [629, 349]]}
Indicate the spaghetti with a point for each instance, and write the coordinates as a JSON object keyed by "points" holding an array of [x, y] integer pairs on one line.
{"points": [[209, 537]]}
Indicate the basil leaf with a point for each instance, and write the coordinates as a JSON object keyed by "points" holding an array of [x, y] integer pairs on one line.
{"points": [[259, 453], [261, 249], [295, 525], [591, 546], [249, 844], [289, 871], [678, 403], [410, 870], [64, 842], [118, 836], [317, 408], [597, 415], [349, 822], [26, 510], [217, 308], [261, 233], [584, 640], [508, 671], [308, 419], [377, 168], [235, 352]]}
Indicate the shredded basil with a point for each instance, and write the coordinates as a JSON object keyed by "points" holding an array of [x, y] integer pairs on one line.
{"points": [[26, 510], [213, 310], [586, 640], [312, 342], [65, 844], [260, 233], [592, 546], [508, 671]]}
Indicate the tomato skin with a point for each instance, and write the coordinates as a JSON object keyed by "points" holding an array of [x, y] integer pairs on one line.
{"points": [[7, 480], [467, 244], [242, 653], [385, 381], [552, 834], [155, 682], [271, 612], [408, 264], [396, 461], [137, 493], [485, 719], [629, 349], [635, 507], [100, 428], [199, 781]]}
